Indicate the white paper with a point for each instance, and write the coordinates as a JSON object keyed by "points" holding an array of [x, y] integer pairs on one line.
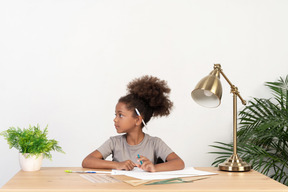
{"points": [[140, 174]]}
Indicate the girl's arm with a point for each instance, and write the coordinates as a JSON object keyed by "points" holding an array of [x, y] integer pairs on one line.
{"points": [[173, 162], [95, 160]]}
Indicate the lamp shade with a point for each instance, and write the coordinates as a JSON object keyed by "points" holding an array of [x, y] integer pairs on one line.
{"points": [[208, 91]]}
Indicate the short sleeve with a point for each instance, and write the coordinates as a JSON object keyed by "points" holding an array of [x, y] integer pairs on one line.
{"points": [[106, 148], [162, 150]]}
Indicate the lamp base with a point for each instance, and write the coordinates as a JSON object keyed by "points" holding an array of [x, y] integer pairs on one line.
{"points": [[234, 163]]}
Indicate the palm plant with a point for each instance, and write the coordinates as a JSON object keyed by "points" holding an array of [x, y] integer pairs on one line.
{"points": [[263, 135]]}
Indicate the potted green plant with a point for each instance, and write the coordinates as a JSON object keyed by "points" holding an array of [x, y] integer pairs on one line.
{"points": [[32, 144], [263, 134]]}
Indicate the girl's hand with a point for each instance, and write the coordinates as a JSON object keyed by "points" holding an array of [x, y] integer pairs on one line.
{"points": [[147, 165], [127, 165]]}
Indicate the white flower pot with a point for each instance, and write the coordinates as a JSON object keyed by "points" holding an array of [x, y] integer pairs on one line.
{"points": [[32, 163]]}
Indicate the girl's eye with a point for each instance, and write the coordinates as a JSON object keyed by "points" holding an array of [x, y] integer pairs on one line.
{"points": [[119, 115]]}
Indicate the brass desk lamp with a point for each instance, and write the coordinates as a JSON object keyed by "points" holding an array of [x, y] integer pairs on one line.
{"points": [[208, 93]]}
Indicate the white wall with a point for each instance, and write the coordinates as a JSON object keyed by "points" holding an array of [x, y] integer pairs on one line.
{"points": [[65, 63]]}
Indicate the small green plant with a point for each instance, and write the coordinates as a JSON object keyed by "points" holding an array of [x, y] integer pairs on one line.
{"points": [[31, 140]]}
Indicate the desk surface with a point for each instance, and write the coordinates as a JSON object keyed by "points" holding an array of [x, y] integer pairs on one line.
{"points": [[55, 179]]}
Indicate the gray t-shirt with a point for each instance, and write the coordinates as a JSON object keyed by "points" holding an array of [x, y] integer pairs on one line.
{"points": [[150, 147]]}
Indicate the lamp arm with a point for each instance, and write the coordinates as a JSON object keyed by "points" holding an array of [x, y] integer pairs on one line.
{"points": [[234, 89]]}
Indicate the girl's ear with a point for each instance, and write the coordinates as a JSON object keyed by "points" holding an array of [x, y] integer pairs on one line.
{"points": [[138, 120]]}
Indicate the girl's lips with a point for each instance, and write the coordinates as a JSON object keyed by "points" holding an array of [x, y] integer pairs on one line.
{"points": [[117, 129]]}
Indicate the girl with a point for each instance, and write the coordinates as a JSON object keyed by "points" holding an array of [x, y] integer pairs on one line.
{"points": [[147, 97]]}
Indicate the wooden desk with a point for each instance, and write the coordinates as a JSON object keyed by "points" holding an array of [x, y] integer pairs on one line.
{"points": [[55, 179]]}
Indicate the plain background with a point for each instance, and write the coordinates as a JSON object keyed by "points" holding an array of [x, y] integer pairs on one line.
{"points": [[65, 63]]}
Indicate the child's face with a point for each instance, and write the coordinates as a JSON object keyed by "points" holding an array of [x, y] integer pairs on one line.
{"points": [[124, 120]]}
